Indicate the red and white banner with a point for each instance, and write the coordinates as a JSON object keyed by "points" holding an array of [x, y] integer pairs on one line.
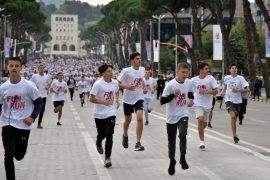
{"points": [[217, 43], [148, 50], [156, 50], [138, 47]]}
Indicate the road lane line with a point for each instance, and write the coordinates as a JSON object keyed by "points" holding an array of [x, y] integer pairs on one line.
{"points": [[75, 113], [81, 125], [102, 173], [226, 142], [77, 118]]}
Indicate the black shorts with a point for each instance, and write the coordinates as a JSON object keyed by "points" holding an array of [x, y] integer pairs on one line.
{"points": [[58, 103], [82, 94], [243, 109], [219, 98], [129, 108], [213, 102], [234, 107]]}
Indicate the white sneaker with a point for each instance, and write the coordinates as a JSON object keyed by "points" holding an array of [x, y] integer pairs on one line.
{"points": [[202, 145]]}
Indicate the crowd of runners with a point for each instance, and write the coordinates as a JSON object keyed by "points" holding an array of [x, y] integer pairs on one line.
{"points": [[24, 94]]}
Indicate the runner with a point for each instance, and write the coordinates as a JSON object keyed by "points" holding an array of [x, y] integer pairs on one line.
{"points": [[71, 86], [219, 97], [105, 95], [205, 86], [131, 80], [22, 103], [234, 85], [82, 89], [42, 82], [59, 89], [178, 96], [150, 85]]}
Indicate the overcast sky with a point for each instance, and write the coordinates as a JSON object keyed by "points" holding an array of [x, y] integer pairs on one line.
{"points": [[96, 2]]}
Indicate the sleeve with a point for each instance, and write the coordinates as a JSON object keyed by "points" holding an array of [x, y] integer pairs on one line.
{"points": [[214, 83], [34, 93], [94, 90], [122, 75], [1, 96], [116, 86], [167, 95], [244, 83], [32, 78], [66, 86], [167, 90]]}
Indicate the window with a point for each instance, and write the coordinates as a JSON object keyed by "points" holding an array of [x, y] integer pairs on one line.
{"points": [[72, 47], [56, 18], [64, 47], [56, 47], [56, 37], [64, 19], [60, 18]]}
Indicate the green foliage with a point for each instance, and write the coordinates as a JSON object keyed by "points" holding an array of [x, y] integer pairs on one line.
{"points": [[207, 41], [239, 49]]}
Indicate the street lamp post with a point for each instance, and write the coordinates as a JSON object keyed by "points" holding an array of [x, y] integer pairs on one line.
{"points": [[5, 34], [158, 18], [107, 39], [176, 47]]}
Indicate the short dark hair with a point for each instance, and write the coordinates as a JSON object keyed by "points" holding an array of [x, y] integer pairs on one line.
{"points": [[183, 66], [233, 64], [41, 65], [201, 65], [104, 68], [133, 55], [15, 59]]}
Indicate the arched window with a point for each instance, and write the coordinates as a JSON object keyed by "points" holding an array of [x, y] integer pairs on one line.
{"points": [[64, 47], [56, 47], [72, 47]]}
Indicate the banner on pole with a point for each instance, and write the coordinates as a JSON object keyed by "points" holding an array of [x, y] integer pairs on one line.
{"points": [[148, 50], [217, 43], [267, 39], [156, 50], [188, 39], [117, 46], [138, 47], [7, 46]]}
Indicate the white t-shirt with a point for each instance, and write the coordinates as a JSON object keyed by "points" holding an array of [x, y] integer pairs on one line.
{"points": [[231, 82], [104, 91], [17, 100], [178, 107], [41, 83], [82, 86], [209, 83], [150, 85], [59, 87], [131, 76]]}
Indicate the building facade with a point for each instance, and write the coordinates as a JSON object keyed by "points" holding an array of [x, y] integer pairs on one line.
{"points": [[64, 33]]}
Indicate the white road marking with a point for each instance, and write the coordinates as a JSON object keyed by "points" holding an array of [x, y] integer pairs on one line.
{"points": [[81, 125], [208, 173], [75, 113], [96, 159], [194, 129], [77, 118]]}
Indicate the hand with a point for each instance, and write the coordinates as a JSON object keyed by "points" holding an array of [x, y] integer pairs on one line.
{"points": [[132, 87], [177, 92], [190, 103], [29, 121], [145, 90], [203, 91], [152, 91], [235, 90], [108, 102]]}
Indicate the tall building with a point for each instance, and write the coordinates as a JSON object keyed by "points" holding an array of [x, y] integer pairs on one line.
{"points": [[64, 33]]}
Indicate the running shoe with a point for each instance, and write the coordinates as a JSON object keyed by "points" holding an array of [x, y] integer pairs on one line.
{"points": [[146, 123], [171, 169], [202, 145], [138, 147], [209, 125], [236, 139], [107, 163], [59, 124], [39, 126], [125, 141]]}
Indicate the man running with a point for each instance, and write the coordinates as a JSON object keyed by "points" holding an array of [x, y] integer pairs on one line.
{"points": [[105, 95], [178, 96], [234, 85], [82, 86], [150, 85], [131, 80], [42, 82], [59, 89], [22, 103], [205, 86]]}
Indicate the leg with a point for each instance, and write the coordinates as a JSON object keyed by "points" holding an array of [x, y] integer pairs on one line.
{"points": [[139, 127], [109, 130], [233, 122], [100, 124], [21, 144], [8, 138], [126, 124], [40, 117], [171, 133], [145, 109], [183, 126], [201, 126], [210, 118]]}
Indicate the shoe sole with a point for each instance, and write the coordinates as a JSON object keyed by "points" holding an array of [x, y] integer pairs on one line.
{"points": [[139, 149], [202, 147], [107, 165]]}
